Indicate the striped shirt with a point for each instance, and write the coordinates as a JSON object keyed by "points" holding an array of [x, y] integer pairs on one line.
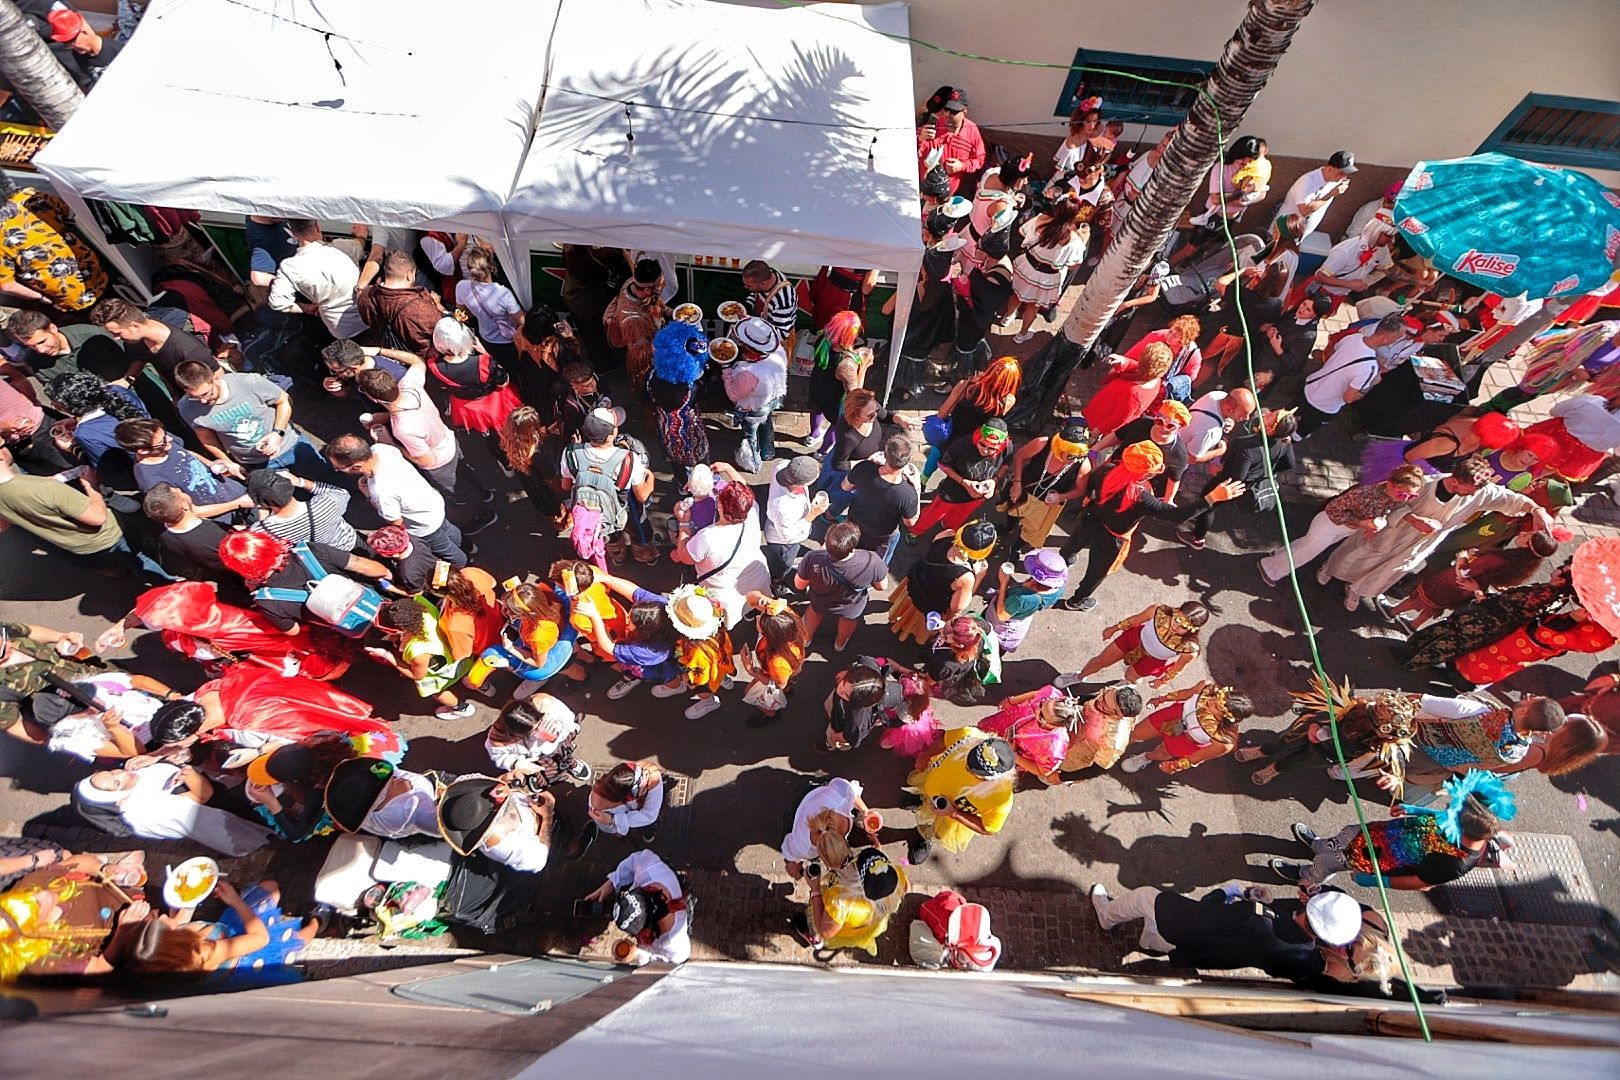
{"points": [[318, 520], [778, 305]]}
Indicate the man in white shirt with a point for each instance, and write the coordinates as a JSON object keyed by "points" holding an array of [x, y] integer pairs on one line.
{"points": [[1352, 265], [400, 494], [1205, 436], [1312, 194], [790, 511], [324, 276], [1347, 373], [514, 830]]}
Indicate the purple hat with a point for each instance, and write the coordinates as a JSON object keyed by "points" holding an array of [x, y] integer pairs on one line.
{"points": [[1046, 567]]}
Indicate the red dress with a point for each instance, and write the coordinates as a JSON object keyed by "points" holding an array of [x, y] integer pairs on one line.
{"points": [[1118, 401], [1535, 641], [194, 623], [257, 699], [481, 396], [1575, 461]]}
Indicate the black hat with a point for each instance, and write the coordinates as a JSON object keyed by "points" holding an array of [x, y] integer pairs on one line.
{"points": [[995, 245], [268, 487], [990, 758], [936, 100], [353, 790], [466, 811], [937, 184], [878, 875], [176, 720], [631, 911], [956, 100], [291, 764]]}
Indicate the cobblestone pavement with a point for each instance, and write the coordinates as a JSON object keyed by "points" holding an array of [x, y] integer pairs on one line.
{"points": [[1189, 833]]}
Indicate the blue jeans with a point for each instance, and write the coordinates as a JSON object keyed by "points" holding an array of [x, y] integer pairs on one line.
{"points": [[831, 481], [759, 428], [445, 542], [121, 558]]}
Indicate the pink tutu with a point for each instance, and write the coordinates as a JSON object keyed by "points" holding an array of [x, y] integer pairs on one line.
{"points": [[914, 736]]}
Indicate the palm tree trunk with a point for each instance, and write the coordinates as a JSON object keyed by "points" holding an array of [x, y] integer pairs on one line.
{"points": [[30, 66], [1245, 65]]}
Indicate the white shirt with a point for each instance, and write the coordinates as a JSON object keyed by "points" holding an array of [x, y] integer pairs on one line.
{"points": [[439, 256], [633, 814], [1352, 364], [531, 748], [639, 870], [400, 493], [1345, 261], [1587, 418], [1207, 426], [784, 514], [521, 848], [493, 304], [417, 426], [328, 278], [837, 795], [1449, 708], [409, 813], [1308, 188], [746, 571]]}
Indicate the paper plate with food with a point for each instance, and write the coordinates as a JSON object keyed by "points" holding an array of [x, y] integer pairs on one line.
{"points": [[190, 883], [687, 313], [732, 311], [722, 350]]}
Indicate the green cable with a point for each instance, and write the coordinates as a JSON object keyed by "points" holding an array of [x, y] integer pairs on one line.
{"points": [[1265, 443]]}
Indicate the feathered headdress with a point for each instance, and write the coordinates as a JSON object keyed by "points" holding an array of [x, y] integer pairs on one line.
{"points": [[679, 352], [1486, 787], [1392, 721]]}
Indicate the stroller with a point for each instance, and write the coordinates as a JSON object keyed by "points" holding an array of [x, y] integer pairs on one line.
{"points": [[1195, 281]]}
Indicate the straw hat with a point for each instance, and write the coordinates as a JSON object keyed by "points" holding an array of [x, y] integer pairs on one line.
{"points": [[695, 616]]}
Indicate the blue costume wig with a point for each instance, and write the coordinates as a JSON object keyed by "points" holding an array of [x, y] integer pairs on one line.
{"points": [[679, 352]]}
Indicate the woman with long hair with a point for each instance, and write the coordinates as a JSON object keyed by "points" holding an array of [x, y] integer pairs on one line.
{"points": [[527, 441], [1053, 242], [776, 658], [491, 303], [998, 199], [544, 345], [1441, 449], [975, 399], [858, 436]]}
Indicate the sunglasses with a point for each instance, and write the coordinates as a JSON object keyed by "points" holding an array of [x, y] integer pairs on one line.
{"points": [[1405, 496]]}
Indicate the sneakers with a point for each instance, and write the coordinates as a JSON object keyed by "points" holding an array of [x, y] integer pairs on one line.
{"points": [[1194, 542], [918, 851], [1023, 336], [479, 523], [1289, 872], [1134, 763], [454, 712], [1078, 603], [1304, 833], [623, 687], [580, 771], [1099, 899], [664, 690], [701, 707], [1386, 608]]}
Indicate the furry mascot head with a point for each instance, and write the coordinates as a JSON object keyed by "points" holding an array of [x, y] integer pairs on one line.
{"points": [[679, 352]]}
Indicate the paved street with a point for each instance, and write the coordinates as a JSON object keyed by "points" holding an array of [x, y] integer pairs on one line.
{"points": [[1204, 828]]}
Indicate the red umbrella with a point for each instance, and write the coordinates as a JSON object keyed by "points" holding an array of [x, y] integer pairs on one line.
{"points": [[1595, 573]]}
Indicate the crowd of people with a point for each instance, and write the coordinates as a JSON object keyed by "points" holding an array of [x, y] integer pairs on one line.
{"points": [[169, 442]]}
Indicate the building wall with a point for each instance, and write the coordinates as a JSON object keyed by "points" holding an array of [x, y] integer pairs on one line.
{"points": [[1392, 80]]}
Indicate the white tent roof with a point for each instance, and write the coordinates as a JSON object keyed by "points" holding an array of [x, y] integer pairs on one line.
{"points": [[752, 131], [414, 113], [753, 123]]}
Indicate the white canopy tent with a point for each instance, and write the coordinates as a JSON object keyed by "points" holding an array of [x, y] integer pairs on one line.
{"points": [[762, 130]]}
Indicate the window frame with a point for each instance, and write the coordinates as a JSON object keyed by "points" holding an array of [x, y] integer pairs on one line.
{"points": [[1580, 157], [1084, 58]]}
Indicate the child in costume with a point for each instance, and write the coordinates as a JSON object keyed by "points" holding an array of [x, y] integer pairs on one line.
{"points": [[1199, 724], [412, 626], [703, 647], [537, 641], [1156, 643], [643, 649]]}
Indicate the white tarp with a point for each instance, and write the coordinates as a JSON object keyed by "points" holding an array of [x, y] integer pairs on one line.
{"points": [[754, 123]]}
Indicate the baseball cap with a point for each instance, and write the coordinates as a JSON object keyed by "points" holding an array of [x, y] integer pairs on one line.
{"points": [[66, 24], [1344, 161], [801, 470], [957, 100], [268, 487], [597, 426]]}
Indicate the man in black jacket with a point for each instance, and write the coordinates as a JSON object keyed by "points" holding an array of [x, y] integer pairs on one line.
{"points": [[1225, 930]]}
